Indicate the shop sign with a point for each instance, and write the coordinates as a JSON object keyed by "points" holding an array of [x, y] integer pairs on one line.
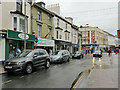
{"points": [[19, 36], [45, 42], [22, 35]]}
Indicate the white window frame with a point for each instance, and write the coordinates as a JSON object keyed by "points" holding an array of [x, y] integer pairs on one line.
{"points": [[39, 15], [49, 19], [49, 33], [39, 30]]}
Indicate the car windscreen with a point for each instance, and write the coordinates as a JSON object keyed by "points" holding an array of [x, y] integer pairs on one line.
{"points": [[55, 53], [25, 54]]}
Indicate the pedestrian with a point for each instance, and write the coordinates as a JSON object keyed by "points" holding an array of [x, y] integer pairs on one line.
{"points": [[109, 51], [18, 51]]}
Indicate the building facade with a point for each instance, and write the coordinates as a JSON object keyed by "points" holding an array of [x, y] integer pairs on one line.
{"points": [[93, 37], [15, 16], [42, 26]]}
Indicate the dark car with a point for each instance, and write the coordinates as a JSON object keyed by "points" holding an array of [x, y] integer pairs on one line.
{"points": [[60, 56], [27, 61], [97, 54], [78, 54]]}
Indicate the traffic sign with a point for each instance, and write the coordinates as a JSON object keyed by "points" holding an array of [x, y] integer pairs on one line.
{"points": [[36, 40]]}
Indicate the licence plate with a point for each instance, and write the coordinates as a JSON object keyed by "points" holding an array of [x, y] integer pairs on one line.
{"points": [[9, 67]]}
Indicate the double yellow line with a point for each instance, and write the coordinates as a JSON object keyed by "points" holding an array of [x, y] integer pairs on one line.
{"points": [[81, 77]]}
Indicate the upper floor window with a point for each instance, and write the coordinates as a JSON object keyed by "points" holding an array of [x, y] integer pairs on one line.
{"points": [[22, 24], [57, 34], [57, 22], [66, 26], [15, 23], [68, 36], [60, 34], [39, 15], [93, 33], [49, 19], [65, 36], [49, 32], [19, 5], [84, 34], [39, 30]]}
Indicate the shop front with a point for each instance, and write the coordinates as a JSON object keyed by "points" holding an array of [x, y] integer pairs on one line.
{"points": [[62, 45], [45, 44], [15, 40], [75, 48]]}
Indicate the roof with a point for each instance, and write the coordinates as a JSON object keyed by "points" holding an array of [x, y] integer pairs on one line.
{"points": [[44, 9], [62, 18]]}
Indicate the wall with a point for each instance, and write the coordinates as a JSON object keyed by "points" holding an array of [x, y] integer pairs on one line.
{"points": [[43, 23], [62, 24], [6, 16], [2, 49]]}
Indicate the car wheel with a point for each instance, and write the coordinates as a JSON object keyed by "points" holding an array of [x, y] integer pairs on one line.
{"points": [[47, 65], [29, 68], [68, 60], [61, 61]]}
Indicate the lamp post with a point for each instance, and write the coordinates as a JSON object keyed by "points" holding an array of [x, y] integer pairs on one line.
{"points": [[25, 25], [85, 38]]}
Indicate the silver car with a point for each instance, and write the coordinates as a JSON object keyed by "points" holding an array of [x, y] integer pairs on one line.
{"points": [[60, 56]]}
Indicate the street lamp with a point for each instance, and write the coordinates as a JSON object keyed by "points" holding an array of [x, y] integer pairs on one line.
{"points": [[25, 25]]}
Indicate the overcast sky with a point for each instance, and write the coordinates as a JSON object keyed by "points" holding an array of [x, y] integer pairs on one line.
{"points": [[100, 13]]}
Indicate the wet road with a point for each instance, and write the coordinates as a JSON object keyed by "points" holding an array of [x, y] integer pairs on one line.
{"points": [[62, 75], [57, 76]]}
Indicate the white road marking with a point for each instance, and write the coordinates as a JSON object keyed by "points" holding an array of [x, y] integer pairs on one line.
{"points": [[22, 76], [7, 82]]}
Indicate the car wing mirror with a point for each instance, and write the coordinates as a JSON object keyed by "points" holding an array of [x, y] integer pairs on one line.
{"points": [[34, 56]]}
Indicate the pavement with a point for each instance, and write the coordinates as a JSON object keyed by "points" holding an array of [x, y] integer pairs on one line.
{"points": [[2, 69], [103, 75]]}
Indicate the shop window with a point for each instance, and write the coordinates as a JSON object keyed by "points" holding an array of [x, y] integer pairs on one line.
{"points": [[22, 24], [19, 5], [15, 23], [39, 15], [39, 30]]}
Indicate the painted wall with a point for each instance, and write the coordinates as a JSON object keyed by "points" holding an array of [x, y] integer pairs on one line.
{"points": [[62, 24], [7, 7], [44, 23], [2, 49]]}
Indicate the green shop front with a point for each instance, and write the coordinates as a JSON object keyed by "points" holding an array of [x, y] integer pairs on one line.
{"points": [[45, 44], [16, 40]]}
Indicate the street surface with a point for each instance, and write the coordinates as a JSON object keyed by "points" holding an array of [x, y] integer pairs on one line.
{"points": [[63, 75]]}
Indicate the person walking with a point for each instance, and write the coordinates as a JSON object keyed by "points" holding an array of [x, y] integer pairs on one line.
{"points": [[109, 51]]}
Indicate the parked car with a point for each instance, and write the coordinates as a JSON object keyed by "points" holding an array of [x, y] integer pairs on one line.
{"points": [[27, 61], [78, 54], [60, 56], [97, 54]]}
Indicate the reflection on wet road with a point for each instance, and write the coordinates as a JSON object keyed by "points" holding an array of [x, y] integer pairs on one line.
{"points": [[63, 75]]}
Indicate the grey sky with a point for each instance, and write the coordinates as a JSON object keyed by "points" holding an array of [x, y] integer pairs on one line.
{"points": [[103, 13]]}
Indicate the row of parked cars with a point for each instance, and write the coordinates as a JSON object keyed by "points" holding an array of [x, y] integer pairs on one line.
{"points": [[28, 60]]}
